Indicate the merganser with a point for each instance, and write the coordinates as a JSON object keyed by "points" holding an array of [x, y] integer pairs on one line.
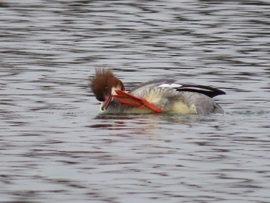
{"points": [[156, 96]]}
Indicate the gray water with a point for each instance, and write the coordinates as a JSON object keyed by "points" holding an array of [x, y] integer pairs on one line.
{"points": [[56, 148]]}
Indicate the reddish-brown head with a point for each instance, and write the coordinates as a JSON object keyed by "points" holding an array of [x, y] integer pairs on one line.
{"points": [[104, 84]]}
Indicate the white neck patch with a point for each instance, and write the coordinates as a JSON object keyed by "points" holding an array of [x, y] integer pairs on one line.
{"points": [[115, 88]]}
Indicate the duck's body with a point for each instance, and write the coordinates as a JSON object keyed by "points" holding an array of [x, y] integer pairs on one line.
{"points": [[157, 96]]}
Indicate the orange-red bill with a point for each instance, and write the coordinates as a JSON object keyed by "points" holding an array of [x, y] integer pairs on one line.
{"points": [[106, 103], [130, 100]]}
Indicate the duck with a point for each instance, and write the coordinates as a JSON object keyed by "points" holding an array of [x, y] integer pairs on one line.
{"points": [[155, 96]]}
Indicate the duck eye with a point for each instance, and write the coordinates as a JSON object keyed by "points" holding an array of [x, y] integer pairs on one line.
{"points": [[106, 89]]}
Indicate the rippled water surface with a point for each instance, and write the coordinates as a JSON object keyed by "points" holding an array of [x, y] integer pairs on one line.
{"points": [[56, 148]]}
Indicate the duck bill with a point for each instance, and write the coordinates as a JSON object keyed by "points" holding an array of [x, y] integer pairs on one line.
{"points": [[106, 103], [130, 100]]}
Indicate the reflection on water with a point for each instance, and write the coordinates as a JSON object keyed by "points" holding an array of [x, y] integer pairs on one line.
{"points": [[55, 147]]}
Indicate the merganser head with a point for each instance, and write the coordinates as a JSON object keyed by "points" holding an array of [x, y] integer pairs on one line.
{"points": [[103, 85]]}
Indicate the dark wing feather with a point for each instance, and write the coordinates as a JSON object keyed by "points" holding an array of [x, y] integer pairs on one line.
{"points": [[209, 91], [206, 90]]}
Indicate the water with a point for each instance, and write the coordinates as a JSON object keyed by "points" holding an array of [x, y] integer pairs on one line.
{"points": [[56, 148]]}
